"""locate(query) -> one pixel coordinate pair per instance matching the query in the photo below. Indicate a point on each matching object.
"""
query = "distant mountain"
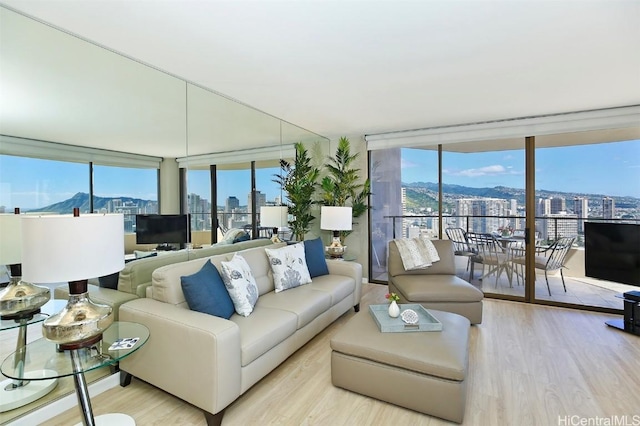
(81, 200)
(506, 193)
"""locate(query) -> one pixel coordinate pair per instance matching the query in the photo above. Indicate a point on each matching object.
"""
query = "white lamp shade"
(274, 216)
(61, 248)
(335, 218)
(10, 239)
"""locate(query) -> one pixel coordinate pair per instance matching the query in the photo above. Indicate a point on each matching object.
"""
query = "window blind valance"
(234, 157)
(611, 118)
(10, 145)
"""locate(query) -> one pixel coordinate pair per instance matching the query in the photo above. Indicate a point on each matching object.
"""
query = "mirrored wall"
(127, 138)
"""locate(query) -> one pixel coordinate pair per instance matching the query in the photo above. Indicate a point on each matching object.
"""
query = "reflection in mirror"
(226, 141)
(70, 105)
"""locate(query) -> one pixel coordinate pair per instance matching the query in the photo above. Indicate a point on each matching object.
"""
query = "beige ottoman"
(423, 371)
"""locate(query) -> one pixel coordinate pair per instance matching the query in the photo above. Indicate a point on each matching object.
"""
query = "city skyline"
(33, 183)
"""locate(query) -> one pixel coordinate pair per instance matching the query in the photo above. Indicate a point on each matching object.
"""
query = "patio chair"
(549, 259)
(491, 254)
(461, 246)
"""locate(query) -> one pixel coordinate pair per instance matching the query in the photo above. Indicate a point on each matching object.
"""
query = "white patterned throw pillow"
(289, 266)
(417, 253)
(240, 284)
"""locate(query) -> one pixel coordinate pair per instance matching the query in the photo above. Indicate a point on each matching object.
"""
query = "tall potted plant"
(299, 182)
(341, 186)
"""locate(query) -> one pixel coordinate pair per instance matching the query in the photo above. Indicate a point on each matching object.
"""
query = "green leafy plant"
(299, 182)
(341, 186)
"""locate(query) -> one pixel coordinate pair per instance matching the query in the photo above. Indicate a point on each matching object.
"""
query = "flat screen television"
(612, 252)
(162, 229)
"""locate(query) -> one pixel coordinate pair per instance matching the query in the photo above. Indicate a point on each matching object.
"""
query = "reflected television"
(162, 229)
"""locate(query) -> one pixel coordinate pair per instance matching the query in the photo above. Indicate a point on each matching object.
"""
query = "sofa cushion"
(289, 267)
(264, 329)
(304, 301)
(205, 292)
(339, 287)
(441, 288)
(314, 254)
(240, 284)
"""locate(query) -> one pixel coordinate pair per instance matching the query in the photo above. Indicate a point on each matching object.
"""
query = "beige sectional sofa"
(210, 361)
(436, 287)
(135, 278)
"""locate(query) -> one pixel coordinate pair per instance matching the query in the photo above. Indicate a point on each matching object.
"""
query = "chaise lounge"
(436, 287)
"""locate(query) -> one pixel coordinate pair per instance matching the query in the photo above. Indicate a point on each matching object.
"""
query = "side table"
(15, 393)
(45, 356)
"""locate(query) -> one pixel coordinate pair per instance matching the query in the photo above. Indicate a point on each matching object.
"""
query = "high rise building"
(608, 208)
(261, 200)
(555, 226)
(558, 205)
(581, 210)
(478, 207)
(544, 207)
(231, 204)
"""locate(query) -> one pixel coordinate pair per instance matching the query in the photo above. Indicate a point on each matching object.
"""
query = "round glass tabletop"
(46, 310)
(45, 361)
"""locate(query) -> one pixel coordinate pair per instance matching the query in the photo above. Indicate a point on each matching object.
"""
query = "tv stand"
(631, 321)
(165, 247)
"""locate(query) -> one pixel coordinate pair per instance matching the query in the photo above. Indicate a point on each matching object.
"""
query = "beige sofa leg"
(213, 419)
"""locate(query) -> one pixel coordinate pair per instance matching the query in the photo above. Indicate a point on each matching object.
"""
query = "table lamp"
(274, 217)
(20, 301)
(335, 219)
(73, 248)
(18, 298)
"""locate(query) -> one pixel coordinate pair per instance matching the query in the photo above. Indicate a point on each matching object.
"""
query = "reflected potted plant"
(341, 186)
(299, 182)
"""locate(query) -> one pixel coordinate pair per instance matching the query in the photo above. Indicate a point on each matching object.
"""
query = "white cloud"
(493, 170)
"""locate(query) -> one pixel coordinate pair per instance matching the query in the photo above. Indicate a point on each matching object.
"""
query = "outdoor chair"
(461, 246)
(548, 259)
(491, 254)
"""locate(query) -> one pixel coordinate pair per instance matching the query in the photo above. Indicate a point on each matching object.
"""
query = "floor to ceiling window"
(33, 184)
(559, 184)
(483, 189)
(579, 181)
(114, 192)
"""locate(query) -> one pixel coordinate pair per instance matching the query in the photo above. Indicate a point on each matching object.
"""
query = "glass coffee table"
(48, 362)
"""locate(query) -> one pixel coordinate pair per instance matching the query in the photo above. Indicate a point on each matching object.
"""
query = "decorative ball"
(409, 316)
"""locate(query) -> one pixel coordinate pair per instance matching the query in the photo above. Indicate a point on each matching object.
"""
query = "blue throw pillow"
(240, 238)
(205, 292)
(314, 254)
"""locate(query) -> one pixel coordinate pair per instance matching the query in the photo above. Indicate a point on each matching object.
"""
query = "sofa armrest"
(191, 355)
(349, 269)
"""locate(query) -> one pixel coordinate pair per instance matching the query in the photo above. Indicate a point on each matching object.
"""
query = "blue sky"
(610, 169)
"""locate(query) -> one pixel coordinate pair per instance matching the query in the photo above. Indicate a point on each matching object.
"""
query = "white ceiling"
(360, 67)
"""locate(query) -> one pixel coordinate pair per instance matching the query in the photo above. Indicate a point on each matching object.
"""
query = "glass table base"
(112, 419)
(23, 395)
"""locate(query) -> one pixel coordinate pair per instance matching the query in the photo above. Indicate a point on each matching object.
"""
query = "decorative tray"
(387, 324)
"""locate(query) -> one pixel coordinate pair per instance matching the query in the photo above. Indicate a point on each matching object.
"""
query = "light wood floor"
(528, 365)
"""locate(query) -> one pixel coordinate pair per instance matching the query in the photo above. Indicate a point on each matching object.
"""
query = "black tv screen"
(162, 228)
(612, 252)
